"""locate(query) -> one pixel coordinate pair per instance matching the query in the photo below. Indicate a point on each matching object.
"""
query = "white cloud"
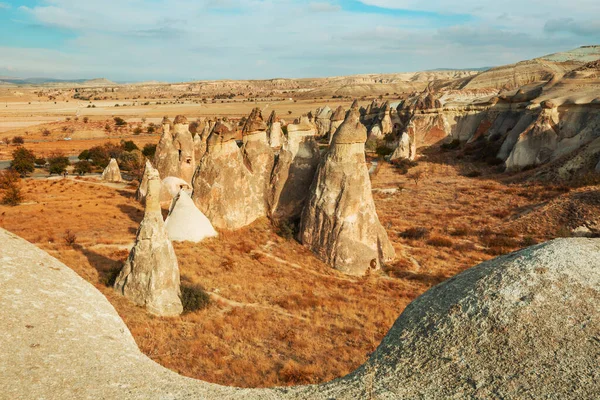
(206, 39)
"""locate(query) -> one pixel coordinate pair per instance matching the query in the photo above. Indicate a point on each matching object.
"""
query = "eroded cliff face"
(530, 127)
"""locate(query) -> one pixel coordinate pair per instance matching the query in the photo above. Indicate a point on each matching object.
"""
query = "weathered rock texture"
(185, 223)
(337, 117)
(142, 190)
(519, 326)
(339, 222)
(150, 276)
(323, 121)
(222, 182)
(183, 142)
(112, 173)
(274, 131)
(166, 157)
(294, 171)
(259, 159)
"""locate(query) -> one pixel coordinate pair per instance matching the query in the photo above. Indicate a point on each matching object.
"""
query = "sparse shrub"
(151, 128)
(383, 151)
(528, 241)
(415, 233)
(119, 121)
(10, 184)
(149, 150)
(403, 165)
(287, 229)
(194, 298)
(462, 230)
(41, 161)
(86, 120)
(45, 132)
(69, 237)
(58, 163)
(18, 140)
(128, 145)
(107, 128)
(415, 176)
(440, 241)
(137, 131)
(472, 174)
(23, 161)
(453, 145)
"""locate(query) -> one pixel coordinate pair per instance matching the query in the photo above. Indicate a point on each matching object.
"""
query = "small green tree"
(149, 150)
(23, 161)
(18, 140)
(83, 167)
(128, 145)
(58, 163)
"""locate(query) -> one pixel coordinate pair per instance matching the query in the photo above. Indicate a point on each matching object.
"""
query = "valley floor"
(278, 315)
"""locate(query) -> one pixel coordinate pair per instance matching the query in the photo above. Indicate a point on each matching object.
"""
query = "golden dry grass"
(279, 316)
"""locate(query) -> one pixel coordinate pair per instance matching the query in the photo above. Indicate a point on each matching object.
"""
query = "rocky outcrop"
(294, 171)
(259, 159)
(185, 223)
(339, 222)
(222, 182)
(337, 118)
(521, 325)
(274, 131)
(150, 276)
(183, 142)
(537, 143)
(166, 157)
(112, 173)
(142, 190)
(323, 121)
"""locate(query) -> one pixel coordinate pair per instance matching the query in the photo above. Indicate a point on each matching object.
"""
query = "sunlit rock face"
(112, 173)
(259, 159)
(222, 182)
(166, 157)
(339, 222)
(183, 142)
(294, 171)
(150, 276)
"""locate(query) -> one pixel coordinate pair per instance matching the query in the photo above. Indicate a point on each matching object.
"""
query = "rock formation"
(536, 143)
(323, 121)
(142, 190)
(274, 131)
(183, 142)
(339, 222)
(337, 118)
(222, 182)
(112, 173)
(521, 325)
(294, 171)
(166, 157)
(150, 277)
(259, 159)
(185, 223)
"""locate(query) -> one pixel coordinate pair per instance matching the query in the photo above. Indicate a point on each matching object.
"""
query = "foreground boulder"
(294, 171)
(339, 222)
(112, 173)
(523, 325)
(150, 277)
(185, 223)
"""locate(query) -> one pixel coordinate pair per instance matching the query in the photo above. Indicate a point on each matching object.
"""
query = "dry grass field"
(279, 316)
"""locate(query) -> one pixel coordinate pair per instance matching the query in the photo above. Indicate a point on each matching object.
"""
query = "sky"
(183, 40)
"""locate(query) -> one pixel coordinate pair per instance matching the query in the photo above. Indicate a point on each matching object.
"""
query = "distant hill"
(54, 81)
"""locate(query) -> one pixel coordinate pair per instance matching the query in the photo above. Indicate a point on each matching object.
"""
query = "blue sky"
(180, 40)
